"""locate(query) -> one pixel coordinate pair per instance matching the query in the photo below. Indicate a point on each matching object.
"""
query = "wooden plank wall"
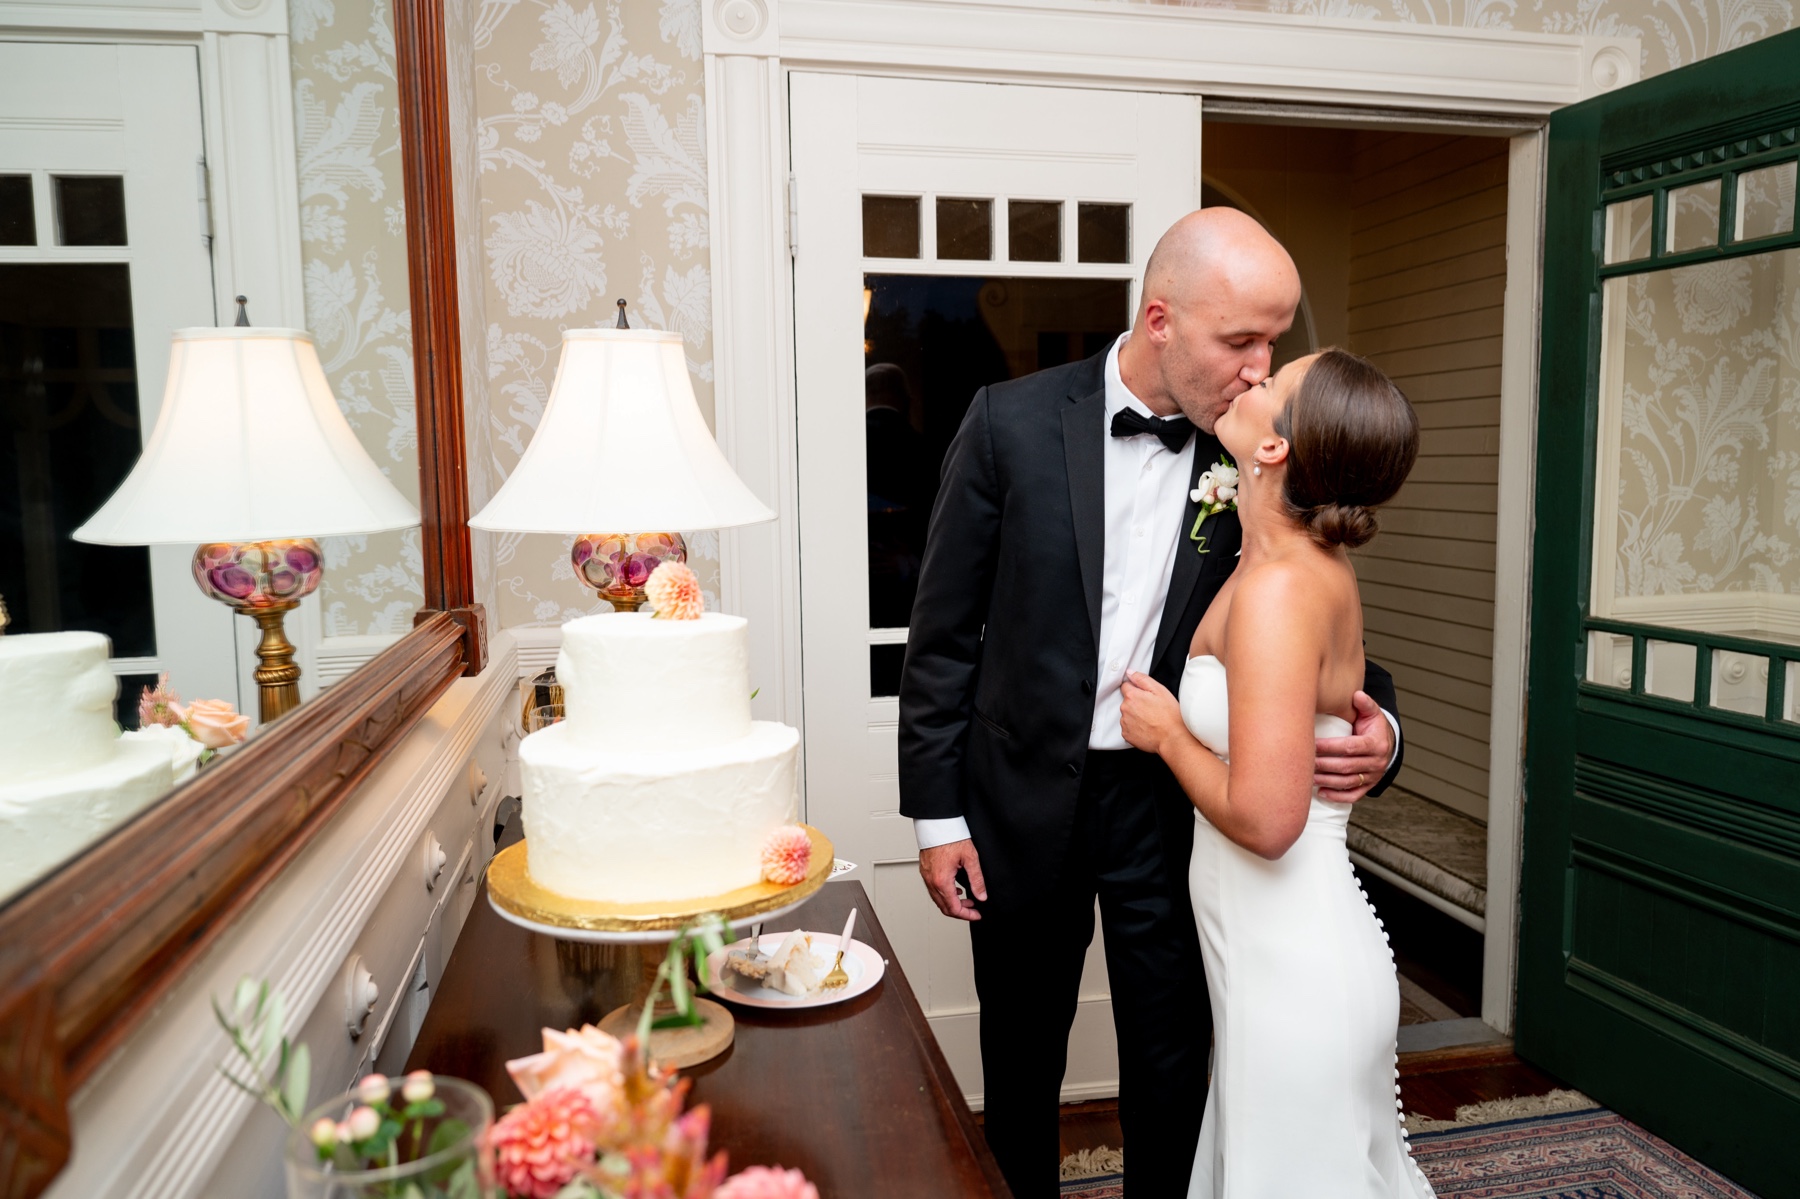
(1427, 282)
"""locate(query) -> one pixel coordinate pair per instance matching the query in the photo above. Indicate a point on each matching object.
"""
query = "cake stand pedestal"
(516, 898)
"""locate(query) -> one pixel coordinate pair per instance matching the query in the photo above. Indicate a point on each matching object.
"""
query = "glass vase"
(448, 1152)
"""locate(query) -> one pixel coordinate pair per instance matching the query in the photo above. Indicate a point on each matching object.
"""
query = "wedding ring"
(1362, 780)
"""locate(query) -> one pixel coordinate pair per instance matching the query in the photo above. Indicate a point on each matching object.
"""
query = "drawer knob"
(435, 857)
(363, 993)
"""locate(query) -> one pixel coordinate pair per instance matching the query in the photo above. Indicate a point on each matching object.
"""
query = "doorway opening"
(1400, 238)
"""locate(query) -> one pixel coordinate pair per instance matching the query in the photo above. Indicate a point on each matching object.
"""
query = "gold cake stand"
(518, 899)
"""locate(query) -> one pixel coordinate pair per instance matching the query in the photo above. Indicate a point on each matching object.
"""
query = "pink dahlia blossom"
(767, 1182)
(786, 855)
(674, 591)
(539, 1146)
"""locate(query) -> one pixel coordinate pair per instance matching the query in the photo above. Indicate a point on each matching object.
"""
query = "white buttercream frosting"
(56, 697)
(638, 826)
(632, 682)
(46, 821)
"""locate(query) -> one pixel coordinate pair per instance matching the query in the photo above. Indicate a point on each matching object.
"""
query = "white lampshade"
(621, 448)
(249, 446)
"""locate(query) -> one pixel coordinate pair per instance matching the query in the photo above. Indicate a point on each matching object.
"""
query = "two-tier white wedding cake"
(657, 785)
(66, 776)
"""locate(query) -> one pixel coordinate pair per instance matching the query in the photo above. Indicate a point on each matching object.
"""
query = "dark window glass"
(69, 434)
(965, 229)
(884, 669)
(890, 226)
(125, 707)
(1034, 231)
(90, 210)
(18, 215)
(932, 342)
(1103, 232)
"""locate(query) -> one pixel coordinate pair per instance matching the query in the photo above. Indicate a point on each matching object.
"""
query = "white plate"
(861, 963)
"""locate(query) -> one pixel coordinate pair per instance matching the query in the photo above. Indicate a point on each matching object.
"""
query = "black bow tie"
(1172, 431)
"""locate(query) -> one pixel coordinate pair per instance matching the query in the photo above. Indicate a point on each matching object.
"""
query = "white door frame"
(253, 204)
(1440, 74)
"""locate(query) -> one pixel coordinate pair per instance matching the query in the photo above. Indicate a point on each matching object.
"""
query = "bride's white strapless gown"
(1305, 1090)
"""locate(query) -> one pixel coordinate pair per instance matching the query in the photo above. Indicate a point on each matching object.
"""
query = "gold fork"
(837, 978)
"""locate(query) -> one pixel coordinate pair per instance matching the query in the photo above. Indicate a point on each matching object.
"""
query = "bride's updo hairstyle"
(1352, 439)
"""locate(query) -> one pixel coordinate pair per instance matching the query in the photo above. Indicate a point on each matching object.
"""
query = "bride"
(1304, 996)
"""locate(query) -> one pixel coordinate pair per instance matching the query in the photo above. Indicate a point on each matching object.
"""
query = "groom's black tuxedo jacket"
(997, 694)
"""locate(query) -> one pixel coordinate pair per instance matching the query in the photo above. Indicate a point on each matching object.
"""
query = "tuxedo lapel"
(1084, 445)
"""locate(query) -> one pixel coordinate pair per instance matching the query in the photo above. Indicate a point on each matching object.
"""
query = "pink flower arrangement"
(674, 591)
(597, 1113)
(764, 1182)
(540, 1146)
(160, 705)
(786, 855)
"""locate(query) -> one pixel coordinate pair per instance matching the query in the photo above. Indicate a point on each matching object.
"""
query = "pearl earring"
(1256, 470)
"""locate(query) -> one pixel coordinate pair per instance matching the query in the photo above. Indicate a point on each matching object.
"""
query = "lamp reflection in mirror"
(621, 445)
(252, 458)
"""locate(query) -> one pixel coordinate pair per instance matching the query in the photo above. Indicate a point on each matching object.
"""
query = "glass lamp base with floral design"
(265, 580)
(616, 565)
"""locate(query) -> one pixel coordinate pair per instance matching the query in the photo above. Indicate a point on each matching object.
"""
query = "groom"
(1063, 553)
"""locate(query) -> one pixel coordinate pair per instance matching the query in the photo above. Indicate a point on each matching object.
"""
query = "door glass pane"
(1740, 682)
(1693, 217)
(90, 210)
(18, 215)
(1669, 670)
(1765, 202)
(965, 229)
(1628, 229)
(884, 669)
(1697, 521)
(1103, 232)
(890, 226)
(1034, 231)
(931, 342)
(69, 402)
(1609, 659)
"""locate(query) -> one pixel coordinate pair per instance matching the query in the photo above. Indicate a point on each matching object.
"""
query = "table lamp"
(251, 457)
(621, 446)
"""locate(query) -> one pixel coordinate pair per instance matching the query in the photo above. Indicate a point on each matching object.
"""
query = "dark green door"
(1660, 941)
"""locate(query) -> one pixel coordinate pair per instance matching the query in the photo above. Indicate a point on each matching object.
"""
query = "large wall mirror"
(150, 784)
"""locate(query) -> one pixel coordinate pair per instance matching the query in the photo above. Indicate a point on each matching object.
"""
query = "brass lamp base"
(277, 679)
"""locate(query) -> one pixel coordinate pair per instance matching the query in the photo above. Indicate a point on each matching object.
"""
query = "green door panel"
(1659, 952)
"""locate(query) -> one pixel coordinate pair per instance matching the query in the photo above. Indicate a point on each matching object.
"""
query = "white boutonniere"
(1217, 492)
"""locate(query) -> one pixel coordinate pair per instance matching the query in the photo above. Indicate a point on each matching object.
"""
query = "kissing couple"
(1134, 674)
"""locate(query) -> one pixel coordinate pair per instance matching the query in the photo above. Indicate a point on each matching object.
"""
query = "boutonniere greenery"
(1217, 492)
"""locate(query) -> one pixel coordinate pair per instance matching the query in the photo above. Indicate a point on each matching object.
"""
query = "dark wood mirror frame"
(86, 954)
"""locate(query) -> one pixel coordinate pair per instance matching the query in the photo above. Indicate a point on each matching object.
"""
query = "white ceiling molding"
(1263, 56)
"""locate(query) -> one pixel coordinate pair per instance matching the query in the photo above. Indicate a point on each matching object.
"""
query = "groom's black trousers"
(1028, 972)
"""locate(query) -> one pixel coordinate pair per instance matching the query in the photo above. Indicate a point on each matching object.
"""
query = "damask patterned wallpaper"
(354, 247)
(589, 136)
(593, 189)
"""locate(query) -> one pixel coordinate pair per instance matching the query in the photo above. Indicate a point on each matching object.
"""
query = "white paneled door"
(104, 250)
(945, 236)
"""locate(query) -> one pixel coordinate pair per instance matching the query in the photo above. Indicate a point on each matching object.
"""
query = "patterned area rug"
(1590, 1154)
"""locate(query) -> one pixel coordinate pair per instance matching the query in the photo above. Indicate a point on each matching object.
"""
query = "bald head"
(1218, 292)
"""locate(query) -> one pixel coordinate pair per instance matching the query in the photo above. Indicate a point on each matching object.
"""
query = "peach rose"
(214, 723)
(590, 1060)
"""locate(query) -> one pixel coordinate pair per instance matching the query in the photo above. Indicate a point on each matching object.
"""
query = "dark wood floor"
(1431, 1084)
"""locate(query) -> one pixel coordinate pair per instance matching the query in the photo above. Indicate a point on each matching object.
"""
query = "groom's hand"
(938, 866)
(1346, 767)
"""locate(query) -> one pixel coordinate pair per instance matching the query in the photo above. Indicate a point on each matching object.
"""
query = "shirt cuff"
(1394, 723)
(932, 833)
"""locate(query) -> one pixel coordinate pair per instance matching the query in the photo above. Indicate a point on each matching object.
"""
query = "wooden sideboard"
(857, 1094)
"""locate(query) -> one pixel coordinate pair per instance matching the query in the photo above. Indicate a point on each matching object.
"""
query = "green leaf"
(247, 994)
(274, 1016)
(295, 1082)
(678, 984)
(687, 1019)
(412, 1192)
(446, 1134)
(425, 1107)
(462, 1183)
